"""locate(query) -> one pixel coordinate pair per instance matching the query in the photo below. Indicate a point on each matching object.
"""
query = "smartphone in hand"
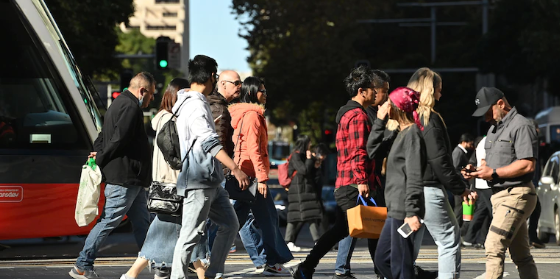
(405, 229)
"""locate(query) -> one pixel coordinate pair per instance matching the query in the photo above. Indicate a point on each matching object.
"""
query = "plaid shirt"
(353, 164)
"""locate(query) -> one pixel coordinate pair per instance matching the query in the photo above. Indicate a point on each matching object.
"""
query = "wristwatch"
(495, 175)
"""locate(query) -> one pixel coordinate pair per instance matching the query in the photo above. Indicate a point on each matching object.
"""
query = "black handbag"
(235, 193)
(163, 198)
(232, 185)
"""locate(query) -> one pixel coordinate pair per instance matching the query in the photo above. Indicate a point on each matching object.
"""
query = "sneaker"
(424, 274)
(478, 246)
(276, 269)
(348, 275)
(538, 245)
(303, 273)
(233, 249)
(293, 247)
(82, 274)
(467, 244)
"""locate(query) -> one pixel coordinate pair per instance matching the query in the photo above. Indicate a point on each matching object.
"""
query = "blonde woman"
(438, 176)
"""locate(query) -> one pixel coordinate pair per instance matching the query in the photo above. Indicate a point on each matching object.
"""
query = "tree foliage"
(89, 30)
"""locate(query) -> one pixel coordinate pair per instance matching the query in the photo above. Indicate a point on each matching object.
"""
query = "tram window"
(36, 111)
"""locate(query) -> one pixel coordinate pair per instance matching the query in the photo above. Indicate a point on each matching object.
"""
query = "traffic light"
(162, 53)
(114, 95)
(126, 76)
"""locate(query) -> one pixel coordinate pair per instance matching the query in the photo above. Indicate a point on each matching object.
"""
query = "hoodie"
(353, 164)
(250, 139)
(197, 133)
(161, 171)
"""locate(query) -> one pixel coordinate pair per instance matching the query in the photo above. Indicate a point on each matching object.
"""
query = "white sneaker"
(277, 269)
(293, 247)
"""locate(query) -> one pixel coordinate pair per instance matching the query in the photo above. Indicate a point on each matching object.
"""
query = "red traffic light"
(328, 132)
(115, 94)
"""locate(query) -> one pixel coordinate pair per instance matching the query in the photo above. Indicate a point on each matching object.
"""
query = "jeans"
(346, 197)
(198, 205)
(442, 224)
(344, 255)
(268, 246)
(394, 255)
(161, 240)
(119, 200)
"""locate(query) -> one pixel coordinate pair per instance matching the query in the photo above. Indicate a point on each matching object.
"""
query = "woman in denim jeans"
(251, 155)
(157, 251)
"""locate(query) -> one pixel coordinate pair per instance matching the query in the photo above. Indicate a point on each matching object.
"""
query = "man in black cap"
(511, 153)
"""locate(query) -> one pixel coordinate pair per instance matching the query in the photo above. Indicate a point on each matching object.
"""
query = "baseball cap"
(485, 98)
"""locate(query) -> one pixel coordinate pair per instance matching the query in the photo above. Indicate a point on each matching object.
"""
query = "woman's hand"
(383, 110)
(92, 155)
(413, 222)
(308, 154)
(262, 188)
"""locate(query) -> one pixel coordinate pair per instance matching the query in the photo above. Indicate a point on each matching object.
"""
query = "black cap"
(485, 98)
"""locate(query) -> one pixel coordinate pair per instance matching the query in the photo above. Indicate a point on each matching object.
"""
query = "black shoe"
(478, 246)
(424, 274)
(303, 273)
(348, 275)
(538, 244)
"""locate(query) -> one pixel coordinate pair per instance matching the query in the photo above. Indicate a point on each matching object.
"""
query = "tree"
(88, 27)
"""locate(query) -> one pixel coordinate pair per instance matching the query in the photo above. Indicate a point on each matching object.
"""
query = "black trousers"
(346, 197)
(394, 257)
(533, 222)
(479, 225)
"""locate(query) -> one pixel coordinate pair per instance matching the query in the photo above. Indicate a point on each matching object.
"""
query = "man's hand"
(262, 189)
(383, 110)
(92, 155)
(467, 171)
(483, 172)
(364, 190)
(241, 178)
(413, 222)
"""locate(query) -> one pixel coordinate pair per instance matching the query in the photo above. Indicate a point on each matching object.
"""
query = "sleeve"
(217, 111)
(357, 133)
(440, 160)
(253, 126)
(526, 143)
(378, 146)
(457, 159)
(414, 158)
(202, 130)
(123, 133)
(98, 143)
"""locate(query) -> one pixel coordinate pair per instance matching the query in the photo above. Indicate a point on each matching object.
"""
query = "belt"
(499, 189)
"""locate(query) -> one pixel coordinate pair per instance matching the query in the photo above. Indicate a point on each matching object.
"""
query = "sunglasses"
(236, 83)
(262, 91)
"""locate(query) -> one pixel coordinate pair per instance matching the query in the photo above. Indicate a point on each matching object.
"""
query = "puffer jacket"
(250, 138)
(219, 107)
(161, 171)
(304, 203)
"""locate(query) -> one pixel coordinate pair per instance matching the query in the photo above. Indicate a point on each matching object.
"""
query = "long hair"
(170, 96)
(425, 81)
(401, 116)
(250, 89)
(302, 143)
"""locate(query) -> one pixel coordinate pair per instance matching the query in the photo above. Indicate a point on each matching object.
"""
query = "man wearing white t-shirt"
(483, 207)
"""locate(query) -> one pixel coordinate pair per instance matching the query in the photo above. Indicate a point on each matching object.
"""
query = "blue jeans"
(119, 200)
(441, 223)
(198, 205)
(162, 238)
(268, 246)
(344, 255)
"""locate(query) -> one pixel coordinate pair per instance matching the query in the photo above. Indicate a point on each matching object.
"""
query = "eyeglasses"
(262, 91)
(216, 76)
(236, 83)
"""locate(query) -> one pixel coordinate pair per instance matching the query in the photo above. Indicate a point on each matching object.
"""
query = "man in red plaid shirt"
(354, 166)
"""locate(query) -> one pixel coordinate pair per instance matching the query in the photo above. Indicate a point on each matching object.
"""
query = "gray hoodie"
(195, 126)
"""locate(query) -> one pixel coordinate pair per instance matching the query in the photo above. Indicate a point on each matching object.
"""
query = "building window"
(169, 14)
(161, 27)
(167, 1)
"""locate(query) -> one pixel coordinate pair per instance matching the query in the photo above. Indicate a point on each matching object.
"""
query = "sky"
(214, 32)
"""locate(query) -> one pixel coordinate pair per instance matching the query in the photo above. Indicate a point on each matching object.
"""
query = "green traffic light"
(163, 63)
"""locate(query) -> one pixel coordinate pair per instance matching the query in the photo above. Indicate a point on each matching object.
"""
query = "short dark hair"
(201, 68)
(379, 78)
(302, 143)
(170, 95)
(466, 137)
(249, 90)
(361, 77)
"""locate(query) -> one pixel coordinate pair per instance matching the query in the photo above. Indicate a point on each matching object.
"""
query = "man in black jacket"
(123, 153)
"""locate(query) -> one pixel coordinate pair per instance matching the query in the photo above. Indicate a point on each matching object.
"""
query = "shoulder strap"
(179, 108)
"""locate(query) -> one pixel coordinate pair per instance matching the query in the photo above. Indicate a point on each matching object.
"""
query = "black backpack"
(168, 142)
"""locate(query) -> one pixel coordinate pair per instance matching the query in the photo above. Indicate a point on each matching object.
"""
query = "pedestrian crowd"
(392, 147)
